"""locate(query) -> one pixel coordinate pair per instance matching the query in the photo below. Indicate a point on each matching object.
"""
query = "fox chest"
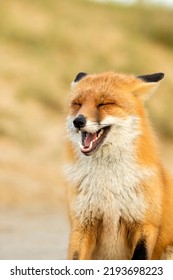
(104, 197)
(105, 194)
(109, 193)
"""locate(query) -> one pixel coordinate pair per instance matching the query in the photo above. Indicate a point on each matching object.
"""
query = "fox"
(120, 195)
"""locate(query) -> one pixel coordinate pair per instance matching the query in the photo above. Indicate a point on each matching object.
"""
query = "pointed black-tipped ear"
(153, 78)
(80, 76)
(145, 85)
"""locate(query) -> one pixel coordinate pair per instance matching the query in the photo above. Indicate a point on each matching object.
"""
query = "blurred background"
(43, 45)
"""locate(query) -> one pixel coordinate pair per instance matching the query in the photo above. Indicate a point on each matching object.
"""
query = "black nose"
(79, 121)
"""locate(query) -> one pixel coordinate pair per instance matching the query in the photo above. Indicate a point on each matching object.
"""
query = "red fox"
(120, 196)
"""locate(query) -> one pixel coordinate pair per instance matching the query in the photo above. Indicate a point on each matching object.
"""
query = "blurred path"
(29, 234)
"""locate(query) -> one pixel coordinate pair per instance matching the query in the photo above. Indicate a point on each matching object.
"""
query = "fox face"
(107, 109)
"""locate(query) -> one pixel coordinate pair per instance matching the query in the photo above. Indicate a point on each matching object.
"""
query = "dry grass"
(43, 44)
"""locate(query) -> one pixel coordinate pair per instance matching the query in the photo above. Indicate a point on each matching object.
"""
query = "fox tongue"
(89, 138)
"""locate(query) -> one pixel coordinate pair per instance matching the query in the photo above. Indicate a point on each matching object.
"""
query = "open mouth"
(92, 141)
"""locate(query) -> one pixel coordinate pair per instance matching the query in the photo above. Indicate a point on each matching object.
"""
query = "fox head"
(106, 109)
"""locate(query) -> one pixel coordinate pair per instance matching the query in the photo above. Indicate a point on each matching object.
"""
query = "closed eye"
(76, 104)
(105, 104)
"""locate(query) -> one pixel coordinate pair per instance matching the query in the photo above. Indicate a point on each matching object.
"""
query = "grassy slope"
(43, 44)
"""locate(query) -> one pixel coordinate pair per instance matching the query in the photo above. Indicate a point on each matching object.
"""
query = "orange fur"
(118, 96)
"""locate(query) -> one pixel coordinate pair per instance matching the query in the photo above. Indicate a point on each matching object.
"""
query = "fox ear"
(80, 76)
(153, 78)
(147, 84)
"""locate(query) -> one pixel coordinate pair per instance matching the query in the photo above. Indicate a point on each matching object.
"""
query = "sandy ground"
(33, 234)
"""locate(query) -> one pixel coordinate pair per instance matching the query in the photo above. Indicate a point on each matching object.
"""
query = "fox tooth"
(90, 146)
(100, 133)
(81, 146)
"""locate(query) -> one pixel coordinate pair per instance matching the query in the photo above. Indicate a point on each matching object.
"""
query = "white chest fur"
(109, 185)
